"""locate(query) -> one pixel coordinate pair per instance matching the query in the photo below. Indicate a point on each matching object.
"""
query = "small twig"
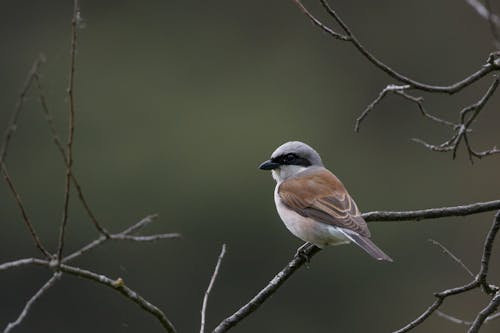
(11, 128)
(32, 300)
(494, 23)
(71, 127)
(122, 236)
(483, 11)
(420, 105)
(478, 281)
(452, 256)
(463, 128)
(267, 291)
(57, 141)
(371, 106)
(119, 285)
(23, 262)
(210, 286)
(24, 214)
(453, 319)
(318, 23)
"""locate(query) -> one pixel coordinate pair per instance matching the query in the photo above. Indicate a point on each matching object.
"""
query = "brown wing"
(320, 195)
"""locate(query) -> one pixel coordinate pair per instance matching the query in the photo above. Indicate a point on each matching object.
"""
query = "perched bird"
(313, 203)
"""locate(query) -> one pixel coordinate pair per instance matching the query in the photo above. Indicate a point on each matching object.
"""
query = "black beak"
(269, 165)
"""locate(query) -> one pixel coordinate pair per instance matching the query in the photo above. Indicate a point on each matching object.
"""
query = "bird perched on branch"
(313, 203)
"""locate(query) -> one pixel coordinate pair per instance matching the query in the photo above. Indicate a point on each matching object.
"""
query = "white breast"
(307, 229)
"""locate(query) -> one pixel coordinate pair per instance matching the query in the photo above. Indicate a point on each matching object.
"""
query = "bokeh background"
(177, 104)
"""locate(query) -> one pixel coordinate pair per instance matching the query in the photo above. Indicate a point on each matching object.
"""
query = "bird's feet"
(302, 253)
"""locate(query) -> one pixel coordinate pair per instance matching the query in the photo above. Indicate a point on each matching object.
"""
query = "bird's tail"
(366, 244)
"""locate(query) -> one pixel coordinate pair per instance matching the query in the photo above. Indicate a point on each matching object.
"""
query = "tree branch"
(57, 141)
(24, 214)
(71, 127)
(268, 290)
(432, 213)
(32, 300)
(483, 315)
(349, 37)
(119, 286)
(478, 281)
(209, 288)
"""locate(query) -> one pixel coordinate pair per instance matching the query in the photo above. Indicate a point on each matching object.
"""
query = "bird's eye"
(289, 158)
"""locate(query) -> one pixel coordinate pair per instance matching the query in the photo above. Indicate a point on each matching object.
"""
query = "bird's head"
(291, 158)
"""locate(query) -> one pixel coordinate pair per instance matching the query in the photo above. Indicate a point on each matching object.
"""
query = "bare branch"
(122, 236)
(318, 23)
(23, 262)
(57, 141)
(483, 315)
(420, 105)
(9, 131)
(71, 126)
(349, 37)
(453, 319)
(493, 22)
(452, 256)
(483, 11)
(267, 291)
(210, 286)
(485, 259)
(26, 219)
(151, 238)
(119, 285)
(432, 213)
(369, 108)
(299, 260)
(478, 281)
(430, 310)
(32, 300)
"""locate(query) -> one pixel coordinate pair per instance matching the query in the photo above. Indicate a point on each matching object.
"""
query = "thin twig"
(478, 281)
(453, 319)
(483, 11)
(57, 141)
(11, 128)
(119, 285)
(210, 286)
(452, 256)
(371, 106)
(23, 262)
(24, 214)
(71, 127)
(349, 37)
(121, 236)
(493, 22)
(318, 23)
(32, 300)
(420, 105)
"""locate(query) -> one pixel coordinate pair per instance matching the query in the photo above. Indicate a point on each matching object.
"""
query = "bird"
(313, 203)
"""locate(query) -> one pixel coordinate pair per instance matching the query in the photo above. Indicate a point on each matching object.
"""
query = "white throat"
(286, 171)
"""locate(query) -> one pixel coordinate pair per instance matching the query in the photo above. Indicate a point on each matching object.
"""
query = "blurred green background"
(177, 104)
